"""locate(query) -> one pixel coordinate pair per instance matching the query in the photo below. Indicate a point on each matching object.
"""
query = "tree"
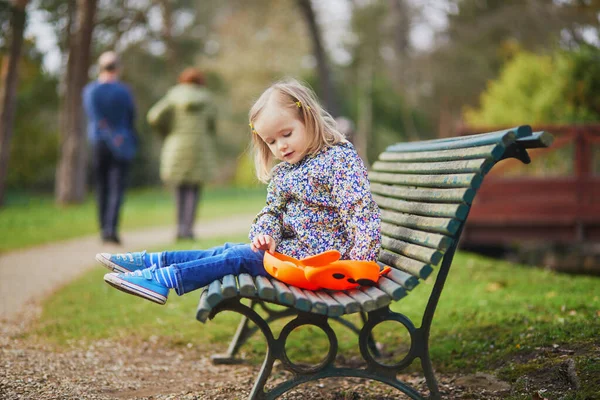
(9, 78)
(539, 89)
(328, 91)
(70, 172)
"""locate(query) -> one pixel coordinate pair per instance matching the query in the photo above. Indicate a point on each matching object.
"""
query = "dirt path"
(28, 275)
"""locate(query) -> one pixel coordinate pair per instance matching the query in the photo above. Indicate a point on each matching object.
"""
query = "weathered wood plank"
(491, 151)
(445, 226)
(481, 165)
(204, 308)
(246, 285)
(265, 288)
(393, 289)
(413, 267)
(302, 302)
(406, 280)
(505, 137)
(229, 286)
(318, 305)
(350, 305)
(215, 296)
(283, 293)
(457, 211)
(425, 254)
(425, 194)
(470, 180)
(334, 309)
(366, 303)
(381, 298)
(431, 240)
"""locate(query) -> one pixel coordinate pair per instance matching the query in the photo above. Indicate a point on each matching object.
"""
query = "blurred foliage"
(537, 89)
(391, 90)
(33, 153)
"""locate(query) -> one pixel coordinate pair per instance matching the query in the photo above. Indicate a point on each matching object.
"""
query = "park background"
(401, 70)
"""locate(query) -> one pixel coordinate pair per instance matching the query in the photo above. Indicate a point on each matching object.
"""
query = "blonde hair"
(317, 121)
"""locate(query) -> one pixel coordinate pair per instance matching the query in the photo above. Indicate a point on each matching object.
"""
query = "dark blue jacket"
(110, 110)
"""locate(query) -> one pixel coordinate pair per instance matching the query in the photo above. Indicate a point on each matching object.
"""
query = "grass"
(28, 220)
(493, 316)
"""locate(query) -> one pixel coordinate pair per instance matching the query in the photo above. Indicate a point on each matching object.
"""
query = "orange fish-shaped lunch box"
(323, 271)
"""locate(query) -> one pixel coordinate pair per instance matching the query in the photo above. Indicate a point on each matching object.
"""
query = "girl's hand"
(263, 242)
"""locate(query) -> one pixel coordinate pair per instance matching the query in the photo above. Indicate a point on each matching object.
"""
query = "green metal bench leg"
(371, 342)
(245, 332)
(242, 334)
(432, 383)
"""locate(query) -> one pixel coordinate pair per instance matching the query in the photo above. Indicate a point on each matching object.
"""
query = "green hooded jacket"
(185, 118)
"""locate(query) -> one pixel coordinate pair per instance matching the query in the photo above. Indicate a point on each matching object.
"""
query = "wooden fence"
(508, 207)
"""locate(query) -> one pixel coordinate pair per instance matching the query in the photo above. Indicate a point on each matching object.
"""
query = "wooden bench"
(425, 190)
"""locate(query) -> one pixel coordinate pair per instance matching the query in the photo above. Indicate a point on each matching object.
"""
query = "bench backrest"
(425, 191)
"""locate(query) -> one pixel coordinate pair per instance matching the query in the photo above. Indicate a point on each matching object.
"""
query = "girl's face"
(280, 128)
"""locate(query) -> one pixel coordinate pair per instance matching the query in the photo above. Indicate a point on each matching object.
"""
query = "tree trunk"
(71, 169)
(167, 32)
(402, 22)
(364, 125)
(9, 77)
(325, 78)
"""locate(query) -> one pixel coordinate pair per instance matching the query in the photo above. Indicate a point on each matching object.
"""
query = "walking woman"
(185, 118)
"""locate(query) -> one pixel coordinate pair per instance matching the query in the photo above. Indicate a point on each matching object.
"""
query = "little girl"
(318, 199)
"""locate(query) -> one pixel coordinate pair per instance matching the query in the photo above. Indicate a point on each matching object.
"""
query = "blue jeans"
(198, 268)
(111, 182)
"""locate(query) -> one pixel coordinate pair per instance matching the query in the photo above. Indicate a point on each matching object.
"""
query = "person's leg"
(129, 262)
(117, 184)
(154, 283)
(191, 203)
(100, 159)
(183, 256)
(179, 207)
(235, 260)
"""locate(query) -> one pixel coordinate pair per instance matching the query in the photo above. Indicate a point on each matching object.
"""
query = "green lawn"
(28, 220)
(493, 315)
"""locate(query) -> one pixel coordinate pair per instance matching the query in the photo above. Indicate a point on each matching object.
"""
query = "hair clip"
(252, 128)
(299, 105)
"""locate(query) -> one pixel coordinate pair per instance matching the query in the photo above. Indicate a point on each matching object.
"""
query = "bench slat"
(431, 240)
(215, 296)
(471, 180)
(283, 293)
(458, 211)
(301, 301)
(265, 288)
(246, 285)
(381, 298)
(439, 167)
(506, 137)
(366, 303)
(350, 305)
(204, 308)
(406, 280)
(427, 255)
(334, 309)
(229, 286)
(318, 305)
(492, 151)
(425, 194)
(393, 289)
(444, 226)
(406, 264)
